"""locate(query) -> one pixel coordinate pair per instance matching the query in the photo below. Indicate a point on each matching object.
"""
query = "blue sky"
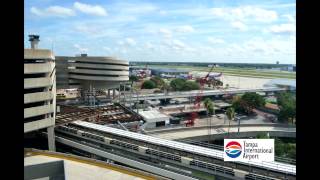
(242, 31)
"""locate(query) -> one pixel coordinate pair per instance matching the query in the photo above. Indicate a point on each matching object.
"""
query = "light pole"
(238, 125)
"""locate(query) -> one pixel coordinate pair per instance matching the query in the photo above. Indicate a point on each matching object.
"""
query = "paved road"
(196, 92)
(194, 132)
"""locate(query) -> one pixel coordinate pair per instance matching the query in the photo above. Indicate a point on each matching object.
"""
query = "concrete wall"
(39, 87)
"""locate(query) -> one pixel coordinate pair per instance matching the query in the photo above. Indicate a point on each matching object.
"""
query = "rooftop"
(76, 167)
(38, 54)
(153, 115)
(281, 82)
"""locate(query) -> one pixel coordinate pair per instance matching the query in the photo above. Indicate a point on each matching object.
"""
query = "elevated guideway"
(175, 153)
(135, 97)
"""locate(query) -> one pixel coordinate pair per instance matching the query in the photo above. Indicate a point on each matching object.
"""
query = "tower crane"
(197, 102)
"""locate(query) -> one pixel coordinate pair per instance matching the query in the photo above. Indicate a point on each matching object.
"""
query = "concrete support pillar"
(113, 93)
(51, 139)
(109, 93)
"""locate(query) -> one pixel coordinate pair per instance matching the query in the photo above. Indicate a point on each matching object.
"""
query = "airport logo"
(233, 149)
(244, 150)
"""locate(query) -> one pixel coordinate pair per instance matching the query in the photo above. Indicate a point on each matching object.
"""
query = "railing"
(291, 127)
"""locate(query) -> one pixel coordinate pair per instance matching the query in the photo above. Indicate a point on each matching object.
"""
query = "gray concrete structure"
(217, 92)
(217, 132)
(39, 90)
(85, 71)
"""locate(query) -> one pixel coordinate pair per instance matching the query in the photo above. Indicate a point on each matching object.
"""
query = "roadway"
(135, 97)
(222, 130)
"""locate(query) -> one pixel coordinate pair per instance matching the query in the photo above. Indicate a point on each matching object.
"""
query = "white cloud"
(176, 44)
(130, 41)
(140, 9)
(245, 13)
(80, 48)
(239, 25)
(283, 29)
(148, 45)
(127, 42)
(90, 9)
(185, 29)
(291, 18)
(163, 12)
(165, 32)
(57, 11)
(107, 49)
(214, 40)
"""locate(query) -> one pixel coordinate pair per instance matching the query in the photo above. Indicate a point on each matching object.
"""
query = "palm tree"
(209, 105)
(230, 114)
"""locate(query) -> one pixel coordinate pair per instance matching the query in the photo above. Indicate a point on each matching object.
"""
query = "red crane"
(197, 101)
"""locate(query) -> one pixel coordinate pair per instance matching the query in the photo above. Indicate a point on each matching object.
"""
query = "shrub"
(148, 84)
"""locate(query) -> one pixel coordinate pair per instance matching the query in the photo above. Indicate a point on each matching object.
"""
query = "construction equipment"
(194, 115)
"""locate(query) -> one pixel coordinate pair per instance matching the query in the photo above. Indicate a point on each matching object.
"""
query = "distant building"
(290, 68)
(142, 73)
(166, 72)
(39, 90)
(289, 84)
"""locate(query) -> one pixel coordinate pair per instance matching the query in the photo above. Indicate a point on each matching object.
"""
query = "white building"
(154, 118)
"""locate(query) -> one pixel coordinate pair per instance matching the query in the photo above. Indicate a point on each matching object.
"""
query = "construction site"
(96, 112)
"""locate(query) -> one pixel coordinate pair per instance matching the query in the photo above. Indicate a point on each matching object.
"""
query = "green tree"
(158, 81)
(247, 102)
(209, 105)
(177, 84)
(148, 84)
(287, 105)
(133, 78)
(230, 115)
(253, 100)
(237, 104)
(190, 85)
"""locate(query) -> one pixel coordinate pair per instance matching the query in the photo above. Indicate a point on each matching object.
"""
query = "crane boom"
(197, 101)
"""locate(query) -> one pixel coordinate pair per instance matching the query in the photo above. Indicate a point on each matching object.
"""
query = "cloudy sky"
(244, 31)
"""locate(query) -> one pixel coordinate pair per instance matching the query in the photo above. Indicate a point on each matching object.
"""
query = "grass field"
(244, 72)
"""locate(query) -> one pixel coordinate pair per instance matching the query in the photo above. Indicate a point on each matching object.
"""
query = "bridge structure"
(200, 133)
(165, 154)
(186, 94)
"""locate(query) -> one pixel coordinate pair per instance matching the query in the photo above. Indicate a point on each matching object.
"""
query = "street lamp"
(238, 119)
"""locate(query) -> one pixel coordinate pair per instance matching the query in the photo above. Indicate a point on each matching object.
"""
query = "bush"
(190, 85)
(177, 84)
(247, 102)
(148, 84)
(183, 85)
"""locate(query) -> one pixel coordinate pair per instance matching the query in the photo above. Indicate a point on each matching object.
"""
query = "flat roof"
(153, 115)
(281, 82)
(38, 54)
(169, 70)
(81, 168)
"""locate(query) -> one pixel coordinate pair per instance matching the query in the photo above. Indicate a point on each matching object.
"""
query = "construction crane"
(197, 102)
